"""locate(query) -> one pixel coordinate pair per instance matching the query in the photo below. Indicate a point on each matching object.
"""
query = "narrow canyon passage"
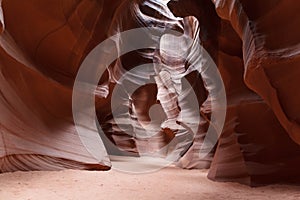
(206, 88)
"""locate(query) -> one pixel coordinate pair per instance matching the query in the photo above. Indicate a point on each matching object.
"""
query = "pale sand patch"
(169, 183)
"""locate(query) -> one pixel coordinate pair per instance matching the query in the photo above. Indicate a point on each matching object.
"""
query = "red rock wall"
(270, 53)
(41, 48)
(269, 45)
(257, 60)
(254, 43)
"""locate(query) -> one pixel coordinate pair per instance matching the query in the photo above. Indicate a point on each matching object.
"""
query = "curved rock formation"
(266, 50)
(258, 144)
(267, 132)
(156, 15)
(43, 44)
(38, 66)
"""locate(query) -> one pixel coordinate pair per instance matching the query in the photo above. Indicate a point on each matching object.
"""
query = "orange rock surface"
(254, 43)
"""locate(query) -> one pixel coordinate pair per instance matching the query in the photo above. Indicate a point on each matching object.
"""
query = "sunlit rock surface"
(254, 43)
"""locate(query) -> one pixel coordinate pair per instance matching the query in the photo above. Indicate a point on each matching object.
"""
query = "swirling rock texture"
(254, 43)
(267, 131)
(258, 144)
(153, 14)
(39, 58)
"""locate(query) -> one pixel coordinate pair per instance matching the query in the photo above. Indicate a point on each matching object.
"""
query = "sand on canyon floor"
(168, 183)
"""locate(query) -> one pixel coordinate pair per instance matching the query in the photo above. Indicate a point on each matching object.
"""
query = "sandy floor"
(169, 183)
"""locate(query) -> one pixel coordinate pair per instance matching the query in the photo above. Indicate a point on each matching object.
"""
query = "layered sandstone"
(254, 43)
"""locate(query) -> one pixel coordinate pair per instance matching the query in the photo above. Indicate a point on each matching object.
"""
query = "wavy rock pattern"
(43, 44)
(266, 52)
(37, 130)
(156, 15)
(256, 128)
(267, 129)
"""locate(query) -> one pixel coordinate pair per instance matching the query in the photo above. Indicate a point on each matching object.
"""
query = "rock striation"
(254, 43)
